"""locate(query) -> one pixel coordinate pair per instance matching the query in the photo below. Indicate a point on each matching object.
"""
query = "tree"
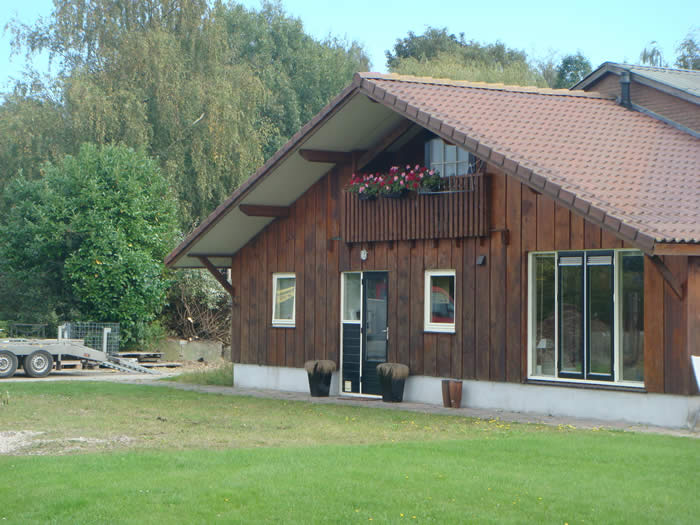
(652, 55)
(438, 53)
(688, 51)
(87, 240)
(209, 89)
(571, 70)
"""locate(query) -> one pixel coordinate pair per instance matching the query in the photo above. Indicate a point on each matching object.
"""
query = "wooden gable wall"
(491, 330)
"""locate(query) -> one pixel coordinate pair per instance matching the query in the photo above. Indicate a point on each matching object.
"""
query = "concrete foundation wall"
(635, 407)
(181, 350)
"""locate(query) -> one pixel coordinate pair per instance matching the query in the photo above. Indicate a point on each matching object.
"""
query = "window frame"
(283, 323)
(440, 167)
(617, 357)
(428, 325)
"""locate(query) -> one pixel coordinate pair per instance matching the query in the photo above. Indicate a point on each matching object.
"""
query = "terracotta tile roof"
(621, 168)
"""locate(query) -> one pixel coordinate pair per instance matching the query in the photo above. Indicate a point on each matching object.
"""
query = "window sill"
(282, 325)
(439, 330)
(597, 385)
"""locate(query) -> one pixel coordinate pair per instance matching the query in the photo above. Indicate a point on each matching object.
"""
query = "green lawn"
(232, 459)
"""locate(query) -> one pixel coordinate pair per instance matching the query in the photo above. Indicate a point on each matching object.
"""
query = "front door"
(365, 334)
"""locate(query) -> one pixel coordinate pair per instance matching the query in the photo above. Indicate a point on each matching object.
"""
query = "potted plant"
(320, 372)
(366, 187)
(392, 378)
(393, 184)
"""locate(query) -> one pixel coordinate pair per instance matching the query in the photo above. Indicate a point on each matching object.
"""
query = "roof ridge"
(482, 85)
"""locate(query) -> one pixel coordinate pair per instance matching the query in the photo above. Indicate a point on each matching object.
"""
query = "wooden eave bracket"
(217, 275)
(668, 276)
(262, 210)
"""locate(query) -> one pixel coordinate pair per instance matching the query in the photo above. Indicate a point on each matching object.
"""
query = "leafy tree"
(438, 53)
(571, 70)
(86, 241)
(688, 52)
(435, 42)
(445, 65)
(652, 55)
(210, 89)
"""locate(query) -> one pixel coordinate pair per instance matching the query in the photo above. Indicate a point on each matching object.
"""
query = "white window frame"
(441, 167)
(429, 326)
(284, 323)
(617, 357)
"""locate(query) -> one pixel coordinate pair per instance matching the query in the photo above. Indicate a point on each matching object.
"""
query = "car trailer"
(37, 356)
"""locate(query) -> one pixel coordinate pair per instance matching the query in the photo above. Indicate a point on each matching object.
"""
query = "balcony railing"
(458, 211)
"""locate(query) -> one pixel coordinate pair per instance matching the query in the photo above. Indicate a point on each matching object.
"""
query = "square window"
(440, 301)
(283, 299)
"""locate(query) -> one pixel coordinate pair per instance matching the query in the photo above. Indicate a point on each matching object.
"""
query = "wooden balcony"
(459, 211)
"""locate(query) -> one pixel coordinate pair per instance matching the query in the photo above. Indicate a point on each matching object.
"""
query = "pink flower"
(402, 183)
(396, 178)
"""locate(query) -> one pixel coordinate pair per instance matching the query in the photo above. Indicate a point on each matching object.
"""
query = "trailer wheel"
(38, 364)
(8, 363)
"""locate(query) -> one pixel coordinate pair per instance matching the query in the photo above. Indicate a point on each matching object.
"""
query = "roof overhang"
(351, 122)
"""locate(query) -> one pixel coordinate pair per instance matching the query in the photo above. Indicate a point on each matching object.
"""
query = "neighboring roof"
(677, 82)
(630, 173)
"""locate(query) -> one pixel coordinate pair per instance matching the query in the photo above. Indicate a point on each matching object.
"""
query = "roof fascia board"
(593, 76)
(665, 120)
(244, 189)
(533, 180)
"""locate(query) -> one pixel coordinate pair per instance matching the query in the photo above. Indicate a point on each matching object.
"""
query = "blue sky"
(603, 30)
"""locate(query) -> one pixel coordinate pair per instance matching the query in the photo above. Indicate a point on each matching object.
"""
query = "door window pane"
(571, 316)
(543, 344)
(600, 319)
(632, 316)
(352, 297)
(376, 318)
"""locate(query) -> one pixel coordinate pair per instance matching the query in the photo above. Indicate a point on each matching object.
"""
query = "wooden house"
(556, 270)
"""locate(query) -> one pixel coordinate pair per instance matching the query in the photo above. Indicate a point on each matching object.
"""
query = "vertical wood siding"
(491, 326)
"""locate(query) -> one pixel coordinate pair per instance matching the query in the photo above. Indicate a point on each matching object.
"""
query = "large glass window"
(440, 301)
(283, 298)
(580, 327)
(352, 296)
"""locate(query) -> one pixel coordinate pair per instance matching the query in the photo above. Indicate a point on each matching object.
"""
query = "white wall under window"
(440, 300)
(283, 299)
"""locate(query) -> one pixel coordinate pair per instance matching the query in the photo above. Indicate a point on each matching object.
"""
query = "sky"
(603, 30)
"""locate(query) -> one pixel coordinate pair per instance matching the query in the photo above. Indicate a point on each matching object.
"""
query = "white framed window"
(440, 300)
(448, 159)
(284, 287)
(586, 316)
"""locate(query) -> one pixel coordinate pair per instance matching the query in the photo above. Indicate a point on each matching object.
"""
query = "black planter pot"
(319, 383)
(392, 389)
(366, 197)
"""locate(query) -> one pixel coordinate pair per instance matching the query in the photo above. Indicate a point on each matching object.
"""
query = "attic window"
(448, 159)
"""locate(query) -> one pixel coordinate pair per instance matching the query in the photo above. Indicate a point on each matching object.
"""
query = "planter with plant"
(392, 378)
(320, 372)
(395, 183)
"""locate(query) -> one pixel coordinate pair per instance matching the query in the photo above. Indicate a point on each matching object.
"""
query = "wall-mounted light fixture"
(363, 255)
(481, 260)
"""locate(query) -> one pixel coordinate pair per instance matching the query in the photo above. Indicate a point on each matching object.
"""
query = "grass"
(219, 376)
(233, 459)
